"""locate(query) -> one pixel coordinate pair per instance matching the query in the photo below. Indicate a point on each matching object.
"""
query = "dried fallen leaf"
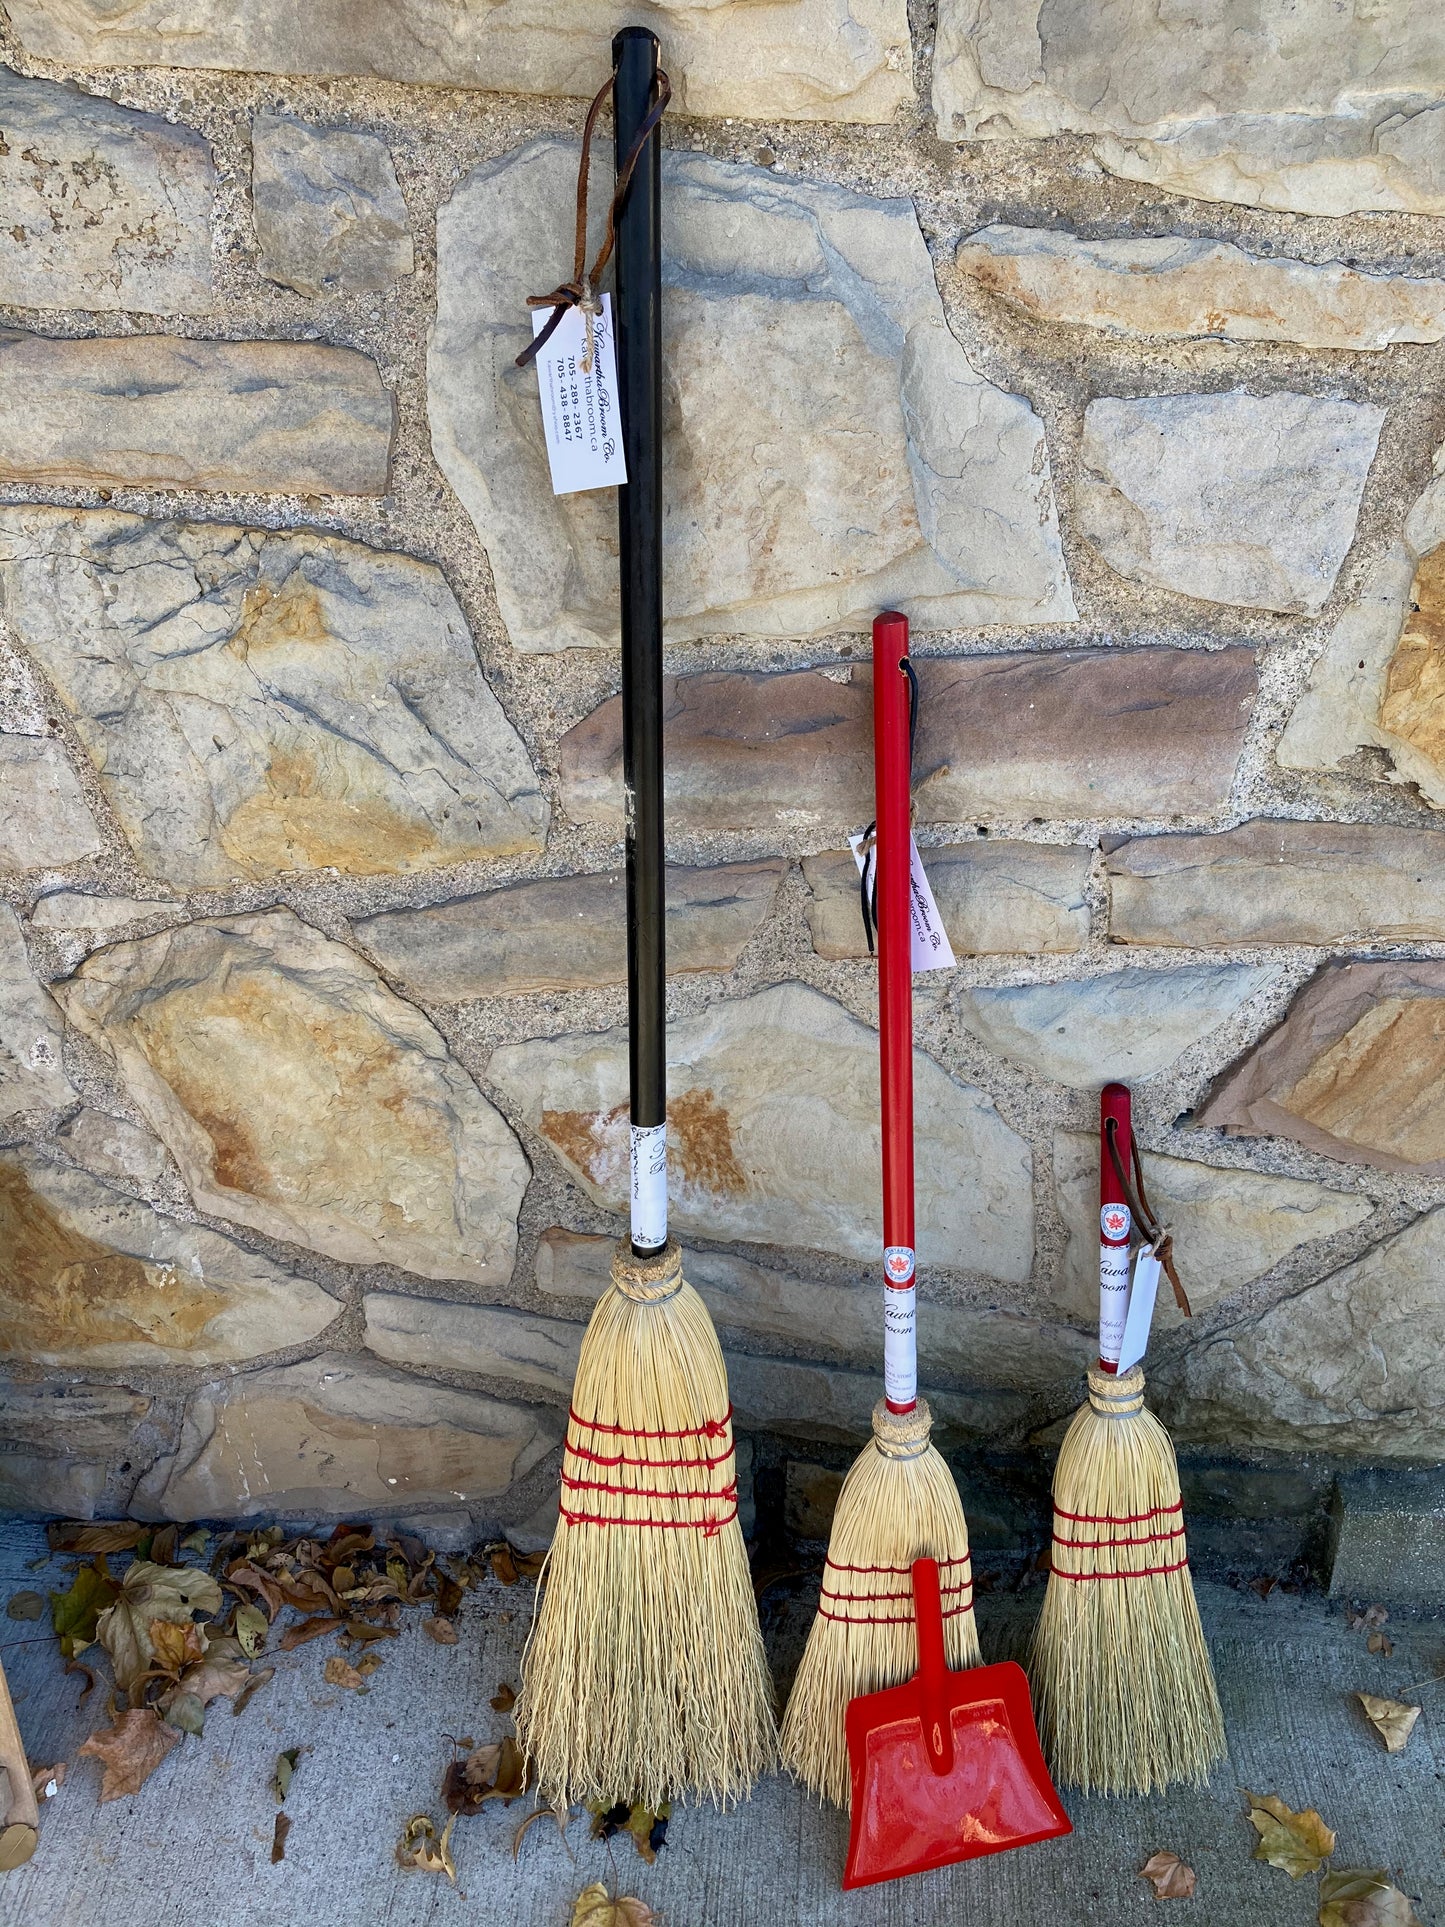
(1363, 1897)
(493, 1772)
(559, 1814)
(340, 1672)
(647, 1825)
(441, 1630)
(1392, 1720)
(422, 1850)
(595, 1907)
(171, 1594)
(252, 1627)
(94, 1535)
(278, 1838)
(174, 1646)
(1170, 1878)
(263, 1676)
(1297, 1843)
(186, 1712)
(308, 1630)
(1362, 1622)
(220, 1672)
(74, 1614)
(504, 1699)
(48, 1780)
(504, 1565)
(1380, 1643)
(130, 1750)
(25, 1605)
(285, 1772)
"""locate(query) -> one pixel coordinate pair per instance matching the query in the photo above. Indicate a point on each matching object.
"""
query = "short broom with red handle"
(899, 1501)
(1123, 1687)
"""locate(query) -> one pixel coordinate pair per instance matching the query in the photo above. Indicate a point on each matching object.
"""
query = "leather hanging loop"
(581, 290)
(1160, 1238)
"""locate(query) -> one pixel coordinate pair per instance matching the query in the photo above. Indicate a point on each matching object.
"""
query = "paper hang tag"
(579, 405)
(1139, 1318)
(930, 948)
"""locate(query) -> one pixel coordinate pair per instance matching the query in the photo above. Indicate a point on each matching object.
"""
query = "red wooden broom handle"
(892, 777)
(1114, 1222)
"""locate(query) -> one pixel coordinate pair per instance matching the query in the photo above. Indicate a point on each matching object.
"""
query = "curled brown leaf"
(129, 1750)
(1364, 1897)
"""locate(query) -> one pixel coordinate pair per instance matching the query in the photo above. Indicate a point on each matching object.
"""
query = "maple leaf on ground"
(595, 1907)
(1297, 1843)
(174, 1646)
(1167, 1874)
(1364, 1897)
(1393, 1720)
(171, 1594)
(130, 1750)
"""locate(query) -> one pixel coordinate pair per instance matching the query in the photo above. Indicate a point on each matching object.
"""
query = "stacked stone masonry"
(1105, 342)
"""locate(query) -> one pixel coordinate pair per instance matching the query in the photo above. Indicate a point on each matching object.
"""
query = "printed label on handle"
(929, 948)
(900, 1343)
(1113, 1299)
(579, 404)
(649, 1186)
(1140, 1315)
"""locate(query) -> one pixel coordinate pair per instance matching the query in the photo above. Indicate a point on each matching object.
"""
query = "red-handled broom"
(899, 1502)
(1121, 1673)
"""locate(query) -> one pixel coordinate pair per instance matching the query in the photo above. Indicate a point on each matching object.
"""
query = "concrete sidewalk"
(193, 1848)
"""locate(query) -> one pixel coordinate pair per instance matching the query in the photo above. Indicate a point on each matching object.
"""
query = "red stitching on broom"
(1110, 1519)
(600, 1458)
(1141, 1572)
(1095, 1545)
(886, 1619)
(837, 1565)
(713, 1428)
(646, 1491)
(889, 1598)
(709, 1528)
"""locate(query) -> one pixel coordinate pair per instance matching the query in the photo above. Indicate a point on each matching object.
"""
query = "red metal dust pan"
(946, 1767)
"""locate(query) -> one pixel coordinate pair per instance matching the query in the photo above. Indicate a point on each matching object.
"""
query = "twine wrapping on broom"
(645, 1675)
(899, 1503)
(1123, 1686)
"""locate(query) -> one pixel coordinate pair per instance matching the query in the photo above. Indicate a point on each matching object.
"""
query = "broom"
(1122, 1680)
(645, 1676)
(899, 1502)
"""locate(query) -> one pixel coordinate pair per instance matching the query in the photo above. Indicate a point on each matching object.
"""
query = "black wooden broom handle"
(639, 505)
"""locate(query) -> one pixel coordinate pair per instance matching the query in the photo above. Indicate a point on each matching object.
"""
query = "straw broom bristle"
(645, 1677)
(1123, 1687)
(898, 1503)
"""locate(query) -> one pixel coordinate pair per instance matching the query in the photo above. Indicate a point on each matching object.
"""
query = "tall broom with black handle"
(899, 1501)
(645, 1676)
(1123, 1685)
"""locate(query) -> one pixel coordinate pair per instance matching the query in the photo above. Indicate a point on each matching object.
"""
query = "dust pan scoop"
(946, 1767)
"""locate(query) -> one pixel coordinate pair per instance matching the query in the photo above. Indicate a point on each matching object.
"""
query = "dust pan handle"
(639, 512)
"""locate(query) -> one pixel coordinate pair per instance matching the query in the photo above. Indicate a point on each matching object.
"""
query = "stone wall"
(1103, 341)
